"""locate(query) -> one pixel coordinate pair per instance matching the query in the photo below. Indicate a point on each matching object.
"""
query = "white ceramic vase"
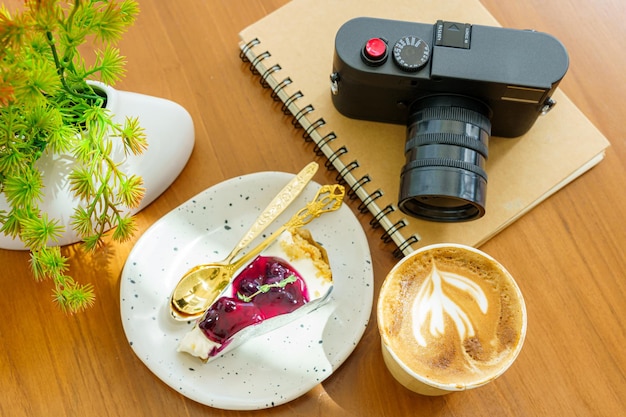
(170, 133)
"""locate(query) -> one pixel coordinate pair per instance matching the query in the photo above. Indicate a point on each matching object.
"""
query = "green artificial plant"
(49, 49)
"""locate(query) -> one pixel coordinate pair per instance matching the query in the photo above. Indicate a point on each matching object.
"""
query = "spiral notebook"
(291, 51)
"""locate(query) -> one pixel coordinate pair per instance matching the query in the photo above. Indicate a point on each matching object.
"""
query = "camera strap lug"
(547, 106)
(334, 83)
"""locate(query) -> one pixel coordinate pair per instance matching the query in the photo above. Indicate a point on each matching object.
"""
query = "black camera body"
(486, 80)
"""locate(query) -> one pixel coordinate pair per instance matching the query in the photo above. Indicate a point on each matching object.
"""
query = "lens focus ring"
(454, 139)
(452, 113)
(444, 162)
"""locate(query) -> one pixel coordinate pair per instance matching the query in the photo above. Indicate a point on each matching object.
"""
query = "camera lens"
(446, 148)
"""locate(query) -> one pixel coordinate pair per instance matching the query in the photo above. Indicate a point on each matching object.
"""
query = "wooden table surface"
(567, 254)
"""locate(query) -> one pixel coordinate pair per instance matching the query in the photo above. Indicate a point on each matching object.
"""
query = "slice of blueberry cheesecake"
(289, 279)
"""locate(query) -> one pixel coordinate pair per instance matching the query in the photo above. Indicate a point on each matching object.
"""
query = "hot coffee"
(451, 317)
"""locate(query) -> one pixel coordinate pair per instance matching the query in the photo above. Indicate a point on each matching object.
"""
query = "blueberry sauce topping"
(266, 288)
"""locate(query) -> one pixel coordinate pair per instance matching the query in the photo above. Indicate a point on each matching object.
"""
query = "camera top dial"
(411, 53)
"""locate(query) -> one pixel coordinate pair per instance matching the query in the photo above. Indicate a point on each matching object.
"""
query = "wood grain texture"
(567, 254)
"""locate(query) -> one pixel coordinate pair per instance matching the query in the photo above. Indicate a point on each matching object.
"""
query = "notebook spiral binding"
(322, 149)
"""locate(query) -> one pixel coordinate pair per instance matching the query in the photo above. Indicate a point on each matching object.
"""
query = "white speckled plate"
(271, 369)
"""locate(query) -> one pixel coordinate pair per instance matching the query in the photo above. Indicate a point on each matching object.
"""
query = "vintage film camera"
(453, 85)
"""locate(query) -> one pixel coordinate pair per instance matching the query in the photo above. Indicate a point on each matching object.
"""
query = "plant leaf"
(110, 65)
(48, 262)
(81, 183)
(23, 190)
(131, 191)
(73, 297)
(36, 232)
(125, 229)
(81, 221)
(133, 136)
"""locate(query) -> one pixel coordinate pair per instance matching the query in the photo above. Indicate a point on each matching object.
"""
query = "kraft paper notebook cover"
(292, 52)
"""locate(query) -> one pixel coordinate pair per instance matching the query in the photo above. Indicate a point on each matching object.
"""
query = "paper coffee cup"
(451, 318)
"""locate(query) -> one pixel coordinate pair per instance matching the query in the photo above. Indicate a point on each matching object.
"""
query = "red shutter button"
(374, 52)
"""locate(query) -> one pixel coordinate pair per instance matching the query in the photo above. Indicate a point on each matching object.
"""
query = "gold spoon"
(279, 203)
(201, 285)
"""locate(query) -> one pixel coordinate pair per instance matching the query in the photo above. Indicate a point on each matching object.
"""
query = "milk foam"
(433, 303)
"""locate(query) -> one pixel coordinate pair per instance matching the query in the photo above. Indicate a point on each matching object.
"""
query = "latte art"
(452, 315)
(433, 303)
